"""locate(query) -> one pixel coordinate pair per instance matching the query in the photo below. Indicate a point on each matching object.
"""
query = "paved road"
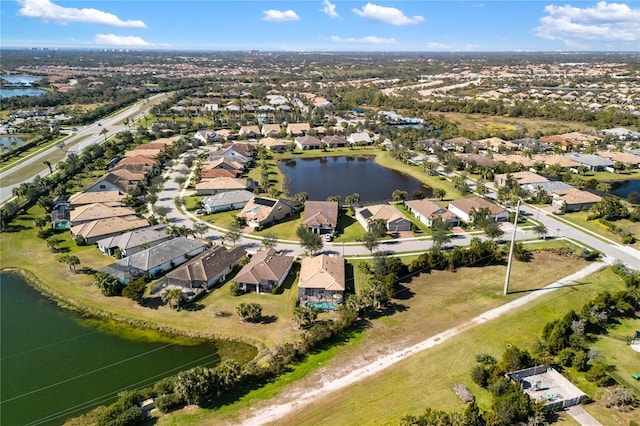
(87, 135)
(557, 229)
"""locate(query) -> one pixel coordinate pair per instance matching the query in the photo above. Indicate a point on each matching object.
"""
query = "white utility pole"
(513, 243)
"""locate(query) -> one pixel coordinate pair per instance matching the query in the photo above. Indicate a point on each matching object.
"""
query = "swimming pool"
(325, 306)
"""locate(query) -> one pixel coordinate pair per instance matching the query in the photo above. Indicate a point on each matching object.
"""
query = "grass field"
(427, 305)
(481, 123)
(580, 219)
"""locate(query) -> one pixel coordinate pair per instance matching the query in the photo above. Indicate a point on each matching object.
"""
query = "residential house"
(521, 178)
(263, 211)
(523, 160)
(621, 133)
(498, 145)
(96, 230)
(334, 141)
(593, 162)
(108, 182)
(218, 173)
(460, 144)
(308, 142)
(130, 175)
(134, 241)
(228, 200)
(393, 219)
(359, 138)
(466, 209)
(298, 129)
(217, 185)
(252, 131)
(572, 200)
(631, 161)
(265, 271)
(557, 161)
(112, 198)
(321, 216)
(138, 160)
(322, 280)
(97, 211)
(207, 136)
(271, 130)
(226, 163)
(470, 161)
(426, 211)
(155, 260)
(547, 187)
(205, 270)
(431, 145)
(273, 144)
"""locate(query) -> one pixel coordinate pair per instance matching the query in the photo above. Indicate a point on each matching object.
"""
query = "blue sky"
(335, 25)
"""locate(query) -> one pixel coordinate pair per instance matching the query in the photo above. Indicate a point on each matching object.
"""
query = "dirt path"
(353, 373)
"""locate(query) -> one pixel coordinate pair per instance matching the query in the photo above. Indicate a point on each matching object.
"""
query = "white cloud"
(48, 11)
(329, 9)
(364, 40)
(438, 46)
(280, 15)
(477, 5)
(115, 40)
(604, 22)
(389, 15)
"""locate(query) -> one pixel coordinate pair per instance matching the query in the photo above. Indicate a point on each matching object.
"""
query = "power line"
(48, 346)
(86, 374)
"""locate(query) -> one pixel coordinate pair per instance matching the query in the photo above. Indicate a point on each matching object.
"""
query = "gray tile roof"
(590, 160)
(228, 197)
(136, 238)
(153, 257)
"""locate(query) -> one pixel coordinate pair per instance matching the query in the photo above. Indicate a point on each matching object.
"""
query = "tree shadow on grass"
(151, 302)
(12, 227)
(403, 293)
(267, 319)
(192, 307)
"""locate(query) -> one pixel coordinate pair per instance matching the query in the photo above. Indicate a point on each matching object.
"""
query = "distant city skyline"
(283, 25)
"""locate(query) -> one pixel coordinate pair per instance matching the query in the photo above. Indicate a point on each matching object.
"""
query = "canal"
(56, 365)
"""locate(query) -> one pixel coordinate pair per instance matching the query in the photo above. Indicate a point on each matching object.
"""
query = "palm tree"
(48, 164)
(39, 222)
(269, 241)
(233, 234)
(173, 297)
(540, 230)
(52, 242)
(104, 132)
(70, 260)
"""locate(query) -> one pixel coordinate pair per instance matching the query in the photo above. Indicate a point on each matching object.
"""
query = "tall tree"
(233, 234)
(269, 241)
(308, 239)
(371, 240)
(440, 233)
(173, 297)
(70, 260)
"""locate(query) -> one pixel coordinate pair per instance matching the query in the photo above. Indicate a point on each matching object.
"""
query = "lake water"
(623, 189)
(25, 80)
(7, 140)
(9, 93)
(343, 176)
(22, 83)
(55, 365)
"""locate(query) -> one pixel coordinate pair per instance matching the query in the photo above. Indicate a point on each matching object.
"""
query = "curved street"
(557, 228)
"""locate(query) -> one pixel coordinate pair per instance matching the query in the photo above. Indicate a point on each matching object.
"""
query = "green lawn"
(283, 230)
(580, 219)
(349, 229)
(427, 305)
(21, 249)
